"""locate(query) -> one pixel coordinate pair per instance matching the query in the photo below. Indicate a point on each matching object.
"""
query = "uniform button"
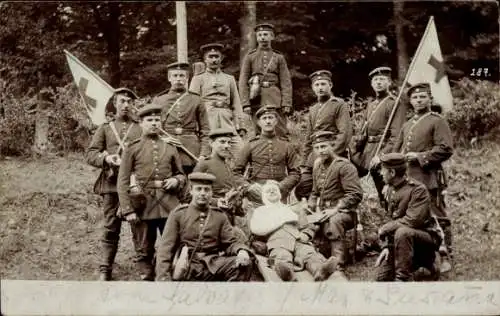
(156, 169)
(156, 176)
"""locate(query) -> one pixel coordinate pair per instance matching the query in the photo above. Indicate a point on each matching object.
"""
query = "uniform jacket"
(376, 118)
(270, 158)
(150, 159)
(255, 62)
(333, 116)
(409, 205)
(225, 179)
(431, 138)
(183, 228)
(336, 184)
(105, 140)
(190, 115)
(217, 86)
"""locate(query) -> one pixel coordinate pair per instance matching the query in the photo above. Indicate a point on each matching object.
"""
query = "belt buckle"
(178, 130)
(158, 183)
(266, 84)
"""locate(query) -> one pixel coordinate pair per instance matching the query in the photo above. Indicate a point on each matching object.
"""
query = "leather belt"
(374, 139)
(181, 131)
(155, 184)
(267, 84)
(217, 104)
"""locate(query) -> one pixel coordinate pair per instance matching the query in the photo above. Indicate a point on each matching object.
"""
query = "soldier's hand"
(242, 258)
(384, 255)
(411, 156)
(374, 162)
(113, 160)
(132, 218)
(170, 183)
(221, 203)
(303, 237)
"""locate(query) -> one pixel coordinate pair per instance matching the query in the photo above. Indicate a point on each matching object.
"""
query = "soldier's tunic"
(336, 184)
(428, 135)
(187, 120)
(411, 234)
(152, 161)
(103, 140)
(270, 158)
(183, 228)
(275, 84)
(219, 94)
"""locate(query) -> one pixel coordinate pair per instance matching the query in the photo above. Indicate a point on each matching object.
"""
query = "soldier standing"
(268, 156)
(204, 233)
(104, 152)
(336, 186)
(426, 141)
(328, 114)
(410, 239)
(265, 78)
(376, 118)
(159, 179)
(184, 116)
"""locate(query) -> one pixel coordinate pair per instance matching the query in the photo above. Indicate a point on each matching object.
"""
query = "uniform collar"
(400, 183)
(200, 208)
(176, 93)
(268, 136)
(381, 95)
(214, 71)
(267, 49)
(420, 114)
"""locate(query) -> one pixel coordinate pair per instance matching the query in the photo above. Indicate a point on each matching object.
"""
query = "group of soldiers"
(172, 168)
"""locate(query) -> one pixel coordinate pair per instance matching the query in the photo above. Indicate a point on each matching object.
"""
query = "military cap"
(201, 178)
(178, 66)
(127, 91)
(266, 109)
(212, 48)
(150, 109)
(264, 27)
(221, 132)
(380, 71)
(321, 74)
(322, 136)
(393, 160)
(419, 87)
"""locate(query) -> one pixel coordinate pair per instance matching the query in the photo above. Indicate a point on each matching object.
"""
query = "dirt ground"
(49, 219)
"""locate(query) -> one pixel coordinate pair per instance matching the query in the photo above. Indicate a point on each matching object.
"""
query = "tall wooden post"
(398, 7)
(182, 42)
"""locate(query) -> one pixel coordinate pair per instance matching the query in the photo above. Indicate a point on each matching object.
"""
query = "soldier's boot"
(285, 271)
(445, 251)
(339, 252)
(109, 250)
(321, 270)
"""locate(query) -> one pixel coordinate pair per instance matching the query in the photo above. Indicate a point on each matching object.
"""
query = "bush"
(476, 110)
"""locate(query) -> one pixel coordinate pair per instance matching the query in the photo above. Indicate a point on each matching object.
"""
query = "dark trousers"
(412, 249)
(144, 235)
(378, 180)
(226, 270)
(110, 232)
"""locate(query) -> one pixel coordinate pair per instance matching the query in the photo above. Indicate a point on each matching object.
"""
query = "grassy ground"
(49, 219)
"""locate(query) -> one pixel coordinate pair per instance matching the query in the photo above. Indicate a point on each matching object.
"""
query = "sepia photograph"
(320, 154)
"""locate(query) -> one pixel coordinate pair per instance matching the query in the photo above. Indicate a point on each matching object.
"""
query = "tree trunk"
(399, 22)
(247, 25)
(113, 41)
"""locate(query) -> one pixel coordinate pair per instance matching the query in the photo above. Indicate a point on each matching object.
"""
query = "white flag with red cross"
(95, 92)
(428, 66)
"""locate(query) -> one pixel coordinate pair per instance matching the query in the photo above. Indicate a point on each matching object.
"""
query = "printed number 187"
(478, 72)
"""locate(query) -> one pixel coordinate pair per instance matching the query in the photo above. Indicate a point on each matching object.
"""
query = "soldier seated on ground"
(411, 238)
(287, 241)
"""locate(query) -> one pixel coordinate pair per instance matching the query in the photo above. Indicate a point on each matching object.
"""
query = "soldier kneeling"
(286, 242)
(209, 249)
(411, 239)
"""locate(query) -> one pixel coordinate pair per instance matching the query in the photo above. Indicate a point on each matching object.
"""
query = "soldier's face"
(178, 78)
(201, 193)
(213, 59)
(324, 150)
(322, 87)
(267, 122)
(150, 124)
(380, 83)
(122, 103)
(420, 101)
(222, 146)
(387, 174)
(271, 193)
(264, 37)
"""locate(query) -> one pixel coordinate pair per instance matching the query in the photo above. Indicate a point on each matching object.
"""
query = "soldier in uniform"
(184, 116)
(328, 114)
(411, 238)
(265, 78)
(159, 179)
(376, 117)
(206, 233)
(426, 141)
(268, 156)
(335, 185)
(104, 152)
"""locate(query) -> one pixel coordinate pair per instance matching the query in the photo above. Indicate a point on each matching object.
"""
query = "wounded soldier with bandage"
(288, 238)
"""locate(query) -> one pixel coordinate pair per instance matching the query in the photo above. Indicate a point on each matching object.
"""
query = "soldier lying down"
(288, 243)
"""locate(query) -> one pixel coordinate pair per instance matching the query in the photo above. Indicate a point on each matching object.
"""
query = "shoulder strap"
(266, 69)
(121, 145)
(198, 242)
(413, 126)
(329, 172)
(175, 104)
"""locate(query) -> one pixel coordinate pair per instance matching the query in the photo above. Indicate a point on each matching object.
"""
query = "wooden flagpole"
(181, 23)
